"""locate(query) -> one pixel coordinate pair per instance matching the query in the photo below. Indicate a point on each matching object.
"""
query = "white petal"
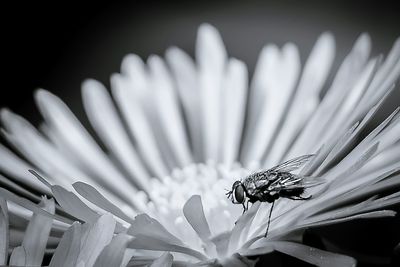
(44, 155)
(98, 236)
(67, 251)
(17, 168)
(281, 74)
(113, 253)
(138, 124)
(68, 127)
(185, 74)
(166, 103)
(348, 79)
(306, 98)
(37, 233)
(211, 58)
(234, 94)
(104, 118)
(4, 233)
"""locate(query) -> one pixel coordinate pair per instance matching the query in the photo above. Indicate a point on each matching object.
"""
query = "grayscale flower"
(175, 134)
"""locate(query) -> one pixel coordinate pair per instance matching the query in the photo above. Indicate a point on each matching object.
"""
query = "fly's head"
(238, 193)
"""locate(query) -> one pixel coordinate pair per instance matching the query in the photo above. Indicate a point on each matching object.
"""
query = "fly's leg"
(300, 197)
(245, 207)
(269, 218)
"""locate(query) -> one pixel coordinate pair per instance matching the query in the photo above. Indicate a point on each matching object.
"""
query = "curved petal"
(105, 120)
(306, 98)
(165, 260)
(211, 57)
(113, 253)
(57, 114)
(4, 232)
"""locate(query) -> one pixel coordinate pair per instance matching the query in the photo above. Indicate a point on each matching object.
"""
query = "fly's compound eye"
(239, 194)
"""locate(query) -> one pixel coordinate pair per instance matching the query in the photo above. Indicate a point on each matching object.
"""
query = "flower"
(180, 133)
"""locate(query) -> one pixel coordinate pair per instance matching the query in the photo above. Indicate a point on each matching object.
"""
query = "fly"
(269, 185)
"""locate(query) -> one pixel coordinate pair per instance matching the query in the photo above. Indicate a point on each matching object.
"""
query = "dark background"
(57, 45)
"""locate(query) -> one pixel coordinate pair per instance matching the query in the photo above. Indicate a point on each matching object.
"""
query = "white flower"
(196, 127)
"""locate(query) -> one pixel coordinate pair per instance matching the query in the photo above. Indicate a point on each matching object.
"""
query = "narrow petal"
(194, 214)
(167, 105)
(57, 114)
(73, 205)
(146, 226)
(42, 153)
(105, 120)
(211, 57)
(185, 74)
(309, 254)
(264, 79)
(244, 221)
(4, 233)
(18, 257)
(387, 75)
(37, 234)
(165, 260)
(138, 124)
(29, 205)
(307, 96)
(15, 167)
(18, 189)
(138, 87)
(68, 249)
(321, 124)
(113, 253)
(277, 80)
(98, 237)
(234, 94)
(94, 196)
(151, 243)
(236, 260)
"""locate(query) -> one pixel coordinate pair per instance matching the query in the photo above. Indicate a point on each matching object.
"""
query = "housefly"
(269, 185)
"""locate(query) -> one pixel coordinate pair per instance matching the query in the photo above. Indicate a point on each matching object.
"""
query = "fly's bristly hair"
(269, 185)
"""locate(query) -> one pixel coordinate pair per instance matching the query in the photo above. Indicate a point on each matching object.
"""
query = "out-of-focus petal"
(152, 243)
(165, 260)
(4, 232)
(113, 253)
(94, 196)
(144, 225)
(97, 238)
(18, 257)
(37, 233)
(67, 251)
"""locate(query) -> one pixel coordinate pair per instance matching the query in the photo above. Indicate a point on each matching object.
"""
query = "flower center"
(211, 181)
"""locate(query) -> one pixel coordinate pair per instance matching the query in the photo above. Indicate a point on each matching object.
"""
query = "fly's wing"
(292, 164)
(295, 182)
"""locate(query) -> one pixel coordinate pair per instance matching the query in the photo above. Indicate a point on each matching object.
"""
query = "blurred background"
(57, 45)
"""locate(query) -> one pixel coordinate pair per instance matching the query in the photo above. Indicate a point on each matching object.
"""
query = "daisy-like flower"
(175, 134)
